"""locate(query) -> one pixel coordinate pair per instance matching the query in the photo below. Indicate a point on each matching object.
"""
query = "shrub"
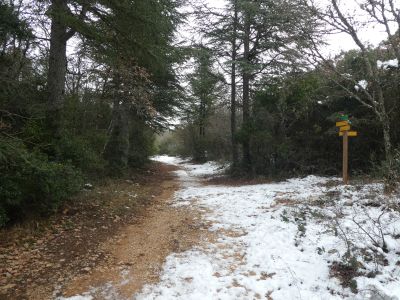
(389, 171)
(346, 271)
(141, 144)
(30, 183)
(80, 153)
(3, 217)
(167, 143)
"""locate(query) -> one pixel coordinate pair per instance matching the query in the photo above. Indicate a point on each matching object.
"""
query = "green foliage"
(123, 68)
(80, 153)
(135, 43)
(142, 144)
(3, 217)
(11, 24)
(167, 144)
(117, 148)
(30, 183)
(353, 286)
(346, 270)
(185, 140)
(205, 90)
(286, 127)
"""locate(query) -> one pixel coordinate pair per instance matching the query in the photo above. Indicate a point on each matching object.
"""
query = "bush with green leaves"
(81, 153)
(30, 183)
(141, 144)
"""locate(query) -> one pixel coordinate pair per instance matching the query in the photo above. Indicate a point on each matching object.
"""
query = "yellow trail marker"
(342, 123)
(349, 133)
(344, 128)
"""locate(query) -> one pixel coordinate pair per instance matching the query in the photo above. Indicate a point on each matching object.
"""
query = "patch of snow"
(202, 170)
(274, 258)
(197, 170)
(172, 160)
(278, 240)
(362, 83)
(394, 63)
(270, 259)
(88, 186)
(347, 75)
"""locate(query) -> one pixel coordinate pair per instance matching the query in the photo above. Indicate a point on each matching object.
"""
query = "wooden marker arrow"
(344, 128)
(349, 133)
(342, 123)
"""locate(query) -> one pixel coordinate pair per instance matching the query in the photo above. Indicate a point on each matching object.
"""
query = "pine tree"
(204, 85)
(63, 28)
(135, 45)
(264, 38)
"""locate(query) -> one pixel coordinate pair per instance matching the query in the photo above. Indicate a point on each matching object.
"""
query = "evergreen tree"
(204, 85)
(135, 45)
(63, 27)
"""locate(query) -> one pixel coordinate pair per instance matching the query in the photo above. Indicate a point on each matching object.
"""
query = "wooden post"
(344, 131)
(345, 157)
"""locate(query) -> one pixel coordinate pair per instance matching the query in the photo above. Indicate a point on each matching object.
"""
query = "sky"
(371, 34)
(337, 42)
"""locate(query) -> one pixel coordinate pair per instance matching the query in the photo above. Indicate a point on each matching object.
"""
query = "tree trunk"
(201, 154)
(385, 120)
(57, 66)
(246, 160)
(387, 142)
(235, 155)
(381, 112)
(202, 120)
(389, 160)
(117, 148)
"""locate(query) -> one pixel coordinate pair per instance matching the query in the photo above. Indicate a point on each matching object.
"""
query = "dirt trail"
(112, 240)
(138, 251)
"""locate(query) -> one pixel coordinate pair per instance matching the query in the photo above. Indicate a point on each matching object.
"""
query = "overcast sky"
(337, 42)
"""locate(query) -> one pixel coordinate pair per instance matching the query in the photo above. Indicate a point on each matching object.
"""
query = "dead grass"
(345, 273)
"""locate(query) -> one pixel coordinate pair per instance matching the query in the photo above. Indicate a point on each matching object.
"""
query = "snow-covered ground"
(280, 241)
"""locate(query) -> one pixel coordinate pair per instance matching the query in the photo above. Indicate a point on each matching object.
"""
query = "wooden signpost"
(344, 128)
(349, 133)
(344, 131)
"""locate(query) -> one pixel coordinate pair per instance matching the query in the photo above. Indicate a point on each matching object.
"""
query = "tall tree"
(246, 62)
(272, 33)
(61, 31)
(235, 20)
(136, 47)
(220, 28)
(264, 39)
(204, 85)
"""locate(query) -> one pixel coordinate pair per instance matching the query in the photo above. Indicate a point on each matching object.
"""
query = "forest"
(90, 89)
(144, 140)
(84, 87)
